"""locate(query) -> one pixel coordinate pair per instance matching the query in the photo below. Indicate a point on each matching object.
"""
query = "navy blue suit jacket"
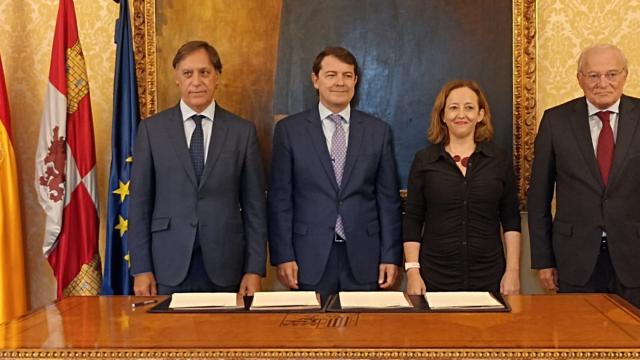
(305, 200)
(168, 206)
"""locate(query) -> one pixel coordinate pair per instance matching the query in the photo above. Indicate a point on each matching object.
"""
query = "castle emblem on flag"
(77, 82)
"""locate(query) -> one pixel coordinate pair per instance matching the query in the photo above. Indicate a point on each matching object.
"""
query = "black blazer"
(227, 208)
(564, 158)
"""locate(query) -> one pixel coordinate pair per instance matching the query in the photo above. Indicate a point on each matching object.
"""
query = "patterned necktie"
(605, 147)
(338, 157)
(196, 147)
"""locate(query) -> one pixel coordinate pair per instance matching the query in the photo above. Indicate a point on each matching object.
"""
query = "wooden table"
(540, 326)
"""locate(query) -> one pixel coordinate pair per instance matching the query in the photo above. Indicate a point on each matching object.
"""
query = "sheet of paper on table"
(285, 300)
(204, 300)
(373, 299)
(462, 299)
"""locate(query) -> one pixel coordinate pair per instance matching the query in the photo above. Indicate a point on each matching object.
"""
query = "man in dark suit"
(197, 218)
(588, 149)
(334, 205)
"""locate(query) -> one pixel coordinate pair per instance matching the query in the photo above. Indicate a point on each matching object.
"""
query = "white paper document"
(373, 300)
(203, 300)
(462, 299)
(285, 300)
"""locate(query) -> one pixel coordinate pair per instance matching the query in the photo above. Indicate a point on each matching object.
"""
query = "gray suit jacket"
(564, 158)
(227, 208)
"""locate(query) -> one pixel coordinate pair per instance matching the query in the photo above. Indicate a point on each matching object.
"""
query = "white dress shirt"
(190, 125)
(328, 126)
(595, 124)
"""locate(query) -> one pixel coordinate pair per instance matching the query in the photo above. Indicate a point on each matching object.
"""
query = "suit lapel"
(580, 126)
(217, 141)
(175, 132)
(356, 134)
(319, 143)
(627, 124)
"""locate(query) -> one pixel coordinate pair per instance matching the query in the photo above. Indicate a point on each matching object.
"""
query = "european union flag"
(117, 279)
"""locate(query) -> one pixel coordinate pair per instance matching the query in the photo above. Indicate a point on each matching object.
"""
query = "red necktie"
(605, 148)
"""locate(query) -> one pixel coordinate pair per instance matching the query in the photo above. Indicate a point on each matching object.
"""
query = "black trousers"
(337, 275)
(603, 280)
(196, 280)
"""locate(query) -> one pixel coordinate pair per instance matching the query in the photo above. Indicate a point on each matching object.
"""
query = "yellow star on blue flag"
(122, 190)
(117, 278)
(123, 225)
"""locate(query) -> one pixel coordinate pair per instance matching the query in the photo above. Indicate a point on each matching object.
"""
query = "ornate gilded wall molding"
(524, 92)
(144, 47)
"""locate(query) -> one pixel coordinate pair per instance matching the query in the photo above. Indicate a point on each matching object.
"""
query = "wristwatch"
(411, 265)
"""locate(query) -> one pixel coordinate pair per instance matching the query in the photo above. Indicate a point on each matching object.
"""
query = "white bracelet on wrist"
(411, 265)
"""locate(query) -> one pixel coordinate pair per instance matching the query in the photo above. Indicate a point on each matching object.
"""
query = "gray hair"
(583, 54)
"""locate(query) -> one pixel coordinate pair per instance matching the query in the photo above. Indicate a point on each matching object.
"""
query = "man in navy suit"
(197, 218)
(334, 204)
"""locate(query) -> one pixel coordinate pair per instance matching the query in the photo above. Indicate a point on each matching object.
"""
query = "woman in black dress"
(461, 191)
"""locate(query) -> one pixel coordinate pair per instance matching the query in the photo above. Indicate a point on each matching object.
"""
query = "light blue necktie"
(338, 157)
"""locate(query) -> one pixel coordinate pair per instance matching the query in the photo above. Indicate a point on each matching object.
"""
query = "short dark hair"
(192, 46)
(339, 52)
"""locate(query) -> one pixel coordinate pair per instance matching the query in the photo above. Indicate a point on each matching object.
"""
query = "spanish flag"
(13, 295)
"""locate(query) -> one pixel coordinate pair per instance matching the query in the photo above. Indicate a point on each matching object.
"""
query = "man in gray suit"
(197, 218)
(588, 149)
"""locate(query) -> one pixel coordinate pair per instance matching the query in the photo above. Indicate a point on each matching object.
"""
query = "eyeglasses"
(611, 76)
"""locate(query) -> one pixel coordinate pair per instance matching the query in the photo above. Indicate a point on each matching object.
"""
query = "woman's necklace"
(464, 161)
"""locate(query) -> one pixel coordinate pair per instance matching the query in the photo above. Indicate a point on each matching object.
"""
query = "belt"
(603, 244)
